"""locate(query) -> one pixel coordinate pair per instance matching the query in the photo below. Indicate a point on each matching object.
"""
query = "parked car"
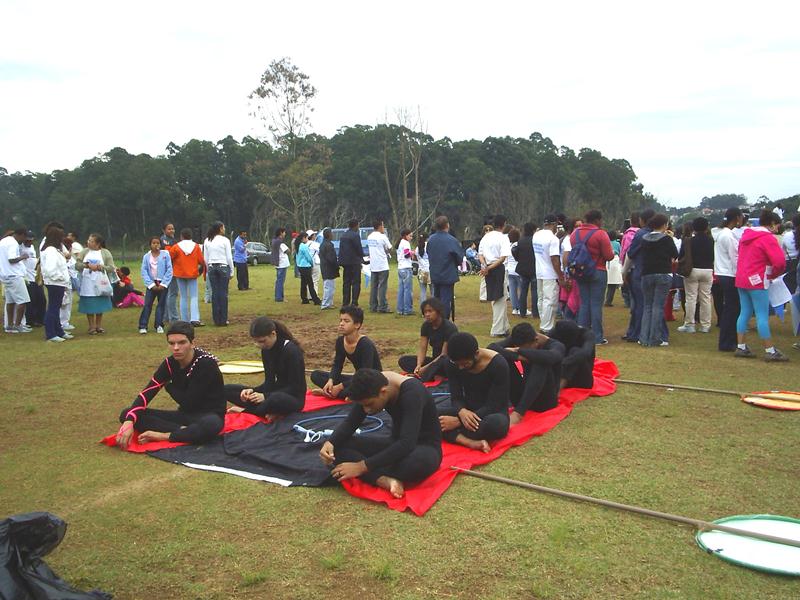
(362, 231)
(257, 254)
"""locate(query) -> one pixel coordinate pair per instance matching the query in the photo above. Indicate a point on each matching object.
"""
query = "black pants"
(493, 426)
(307, 286)
(409, 362)
(730, 313)
(351, 284)
(419, 464)
(194, 428)
(276, 403)
(320, 378)
(579, 374)
(34, 310)
(444, 292)
(242, 276)
(717, 295)
(536, 391)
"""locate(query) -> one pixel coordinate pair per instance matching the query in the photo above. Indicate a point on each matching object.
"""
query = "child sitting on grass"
(124, 294)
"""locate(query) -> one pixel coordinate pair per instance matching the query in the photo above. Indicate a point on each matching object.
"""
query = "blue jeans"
(405, 304)
(593, 293)
(655, 288)
(328, 287)
(280, 278)
(524, 286)
(377, 292)
(172, 301)
(52, 317)
(637, 307)
(444, 292)
(513, 291)
(190, 309)
(150, 296)
(219, 276)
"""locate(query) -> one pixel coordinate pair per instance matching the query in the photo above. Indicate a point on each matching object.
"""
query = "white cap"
(310, 232)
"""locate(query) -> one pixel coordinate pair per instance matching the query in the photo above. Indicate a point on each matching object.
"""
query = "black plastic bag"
(24, 540)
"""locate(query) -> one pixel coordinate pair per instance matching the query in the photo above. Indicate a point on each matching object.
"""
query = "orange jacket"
(187, 266)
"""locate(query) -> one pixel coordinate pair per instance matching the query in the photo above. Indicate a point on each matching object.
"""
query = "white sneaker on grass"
(67, 336)
(55, 338)
(11, 330)
(143, 331)
(687, 328)
(704, 329)
(68, 327)
(159, 330)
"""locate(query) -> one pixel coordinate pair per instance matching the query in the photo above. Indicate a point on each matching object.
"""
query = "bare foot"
(235, 409)
(481, 445)
(515, 417)
(392, 485)
(153, 436)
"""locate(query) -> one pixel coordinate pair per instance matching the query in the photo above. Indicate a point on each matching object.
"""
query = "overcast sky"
(702, 98)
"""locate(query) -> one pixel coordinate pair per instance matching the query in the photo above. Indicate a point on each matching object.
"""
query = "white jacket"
(54, 267)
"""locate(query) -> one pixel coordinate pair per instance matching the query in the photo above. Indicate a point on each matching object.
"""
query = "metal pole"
(701, 525)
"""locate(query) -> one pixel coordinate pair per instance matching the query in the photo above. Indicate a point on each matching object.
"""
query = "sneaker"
(159, 329)
(704, 329)
(143, 331)
(796, 345)
(68, 327)
(67, 336)
(602, 342)
(24, 329)
(687, 328)
(198, 324)
(663, 344)
(776, 356)
(55, 339)
(515, 311)
(746, 353)
(11, 330)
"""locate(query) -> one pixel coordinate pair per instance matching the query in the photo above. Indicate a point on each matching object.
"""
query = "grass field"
(142, 528)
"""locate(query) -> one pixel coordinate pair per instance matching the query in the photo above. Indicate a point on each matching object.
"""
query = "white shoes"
(704, 329)
(55, 339)
(159, 330)
(687, 328)
(515, 311)
(143, 331)
(67, 336)
(68, 327)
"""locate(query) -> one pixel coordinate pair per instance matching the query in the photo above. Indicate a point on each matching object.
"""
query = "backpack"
(581, 265)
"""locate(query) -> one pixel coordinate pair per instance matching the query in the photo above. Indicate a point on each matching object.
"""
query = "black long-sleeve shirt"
(583, 349)
(284, 370)
(415, 422)
(197, 389)
(483, 393)
(550, 355)
(365, 355)
(702, 250)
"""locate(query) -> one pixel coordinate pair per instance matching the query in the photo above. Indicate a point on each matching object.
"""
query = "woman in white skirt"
(614, 270)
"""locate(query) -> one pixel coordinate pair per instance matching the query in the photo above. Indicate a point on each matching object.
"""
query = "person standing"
(12, 276)
(316, 270)
(444, 256)
(187, 265)
(379, 251)
(614, 269)
(592, 288)
(697, 285)
(239, 261)
(34, 311)
(726, 255)
(305, 262)
(219, 259)
(168, 239)
(351, 257)
(329, 268)
(95, 264)
(280, 258)
(790, 242)
(55, 276)
(634, 271)
(493, 251)
(511, 272)
(526, 270)
(657, 253)
(405, 275)
(423, 267)
(156, 275)
(547, 252)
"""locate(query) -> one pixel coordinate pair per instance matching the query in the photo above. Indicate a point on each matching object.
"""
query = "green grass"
(140, 527)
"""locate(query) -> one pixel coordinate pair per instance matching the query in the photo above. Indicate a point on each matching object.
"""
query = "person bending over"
(436, 331)
(191, 376)
(350, 344)
(479, 392)
(577, 368)
(284, 387)
(536, 388)
(414, 450)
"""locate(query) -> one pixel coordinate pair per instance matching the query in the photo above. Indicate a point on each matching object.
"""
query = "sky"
(700, 97)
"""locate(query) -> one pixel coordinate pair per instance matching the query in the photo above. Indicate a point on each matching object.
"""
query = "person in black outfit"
(435, 331)
(577, 368)
(411, 454)
(536, 388)
(351, 257)
(284, 387)
(526, 269)
(479, 393)
(191, 376)
(329, 268)
(444, 256)
(358, 348)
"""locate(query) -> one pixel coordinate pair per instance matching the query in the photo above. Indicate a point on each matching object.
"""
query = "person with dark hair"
(167, 240)
(351, 257)
(435, 332)
(790, 242)
(613, 269)
(726, 255)
(305, 262)
(526, 270)
(351, 345)
(187, 265)
(536, 388)
(512, 278)
(658, 251)
(95, 264)
(219, 258)
(444, 255)
(405, 275)
(55, 277)
(284, 387)
(632, 272)
(479, 394)
(12, 276)
(240, 261)
(192, 377)
(156, 275)
(411, 454)
(547, 253)
(630, 227)
(379, 250)
(592, 287)
(493, 251)
(329, 268)
(577, 368)
(697, 285)
(423, 267)
(280, 258)
(35, 309)
(760, 261)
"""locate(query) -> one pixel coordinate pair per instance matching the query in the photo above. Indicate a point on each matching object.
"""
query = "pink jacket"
(759, 252)
(627, 238)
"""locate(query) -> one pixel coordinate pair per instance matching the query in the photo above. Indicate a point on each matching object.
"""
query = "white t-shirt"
(566, 248)
(218, 252)
(511, 262)
(379, 249)
(788, 245)
(313, 247)
(30, 262)
(424, 263)
(10, 248)
(726, 253)
(494, 245)
(283, 259)
(404, 254)
(545, 245)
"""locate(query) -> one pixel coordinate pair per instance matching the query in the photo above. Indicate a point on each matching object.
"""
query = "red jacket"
(759, 252)
(599, 244)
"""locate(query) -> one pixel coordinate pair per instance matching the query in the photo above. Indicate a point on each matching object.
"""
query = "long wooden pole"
(699, 524)
(680, 387)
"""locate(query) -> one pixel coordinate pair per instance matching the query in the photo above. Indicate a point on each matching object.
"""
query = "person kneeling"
(479, 392)
(577, 368)
(435, 331)
(414, 450)
(536, 388)
(284, 387)
(192, 377)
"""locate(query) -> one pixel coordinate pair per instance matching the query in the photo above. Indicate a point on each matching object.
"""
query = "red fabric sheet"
(418, 499)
